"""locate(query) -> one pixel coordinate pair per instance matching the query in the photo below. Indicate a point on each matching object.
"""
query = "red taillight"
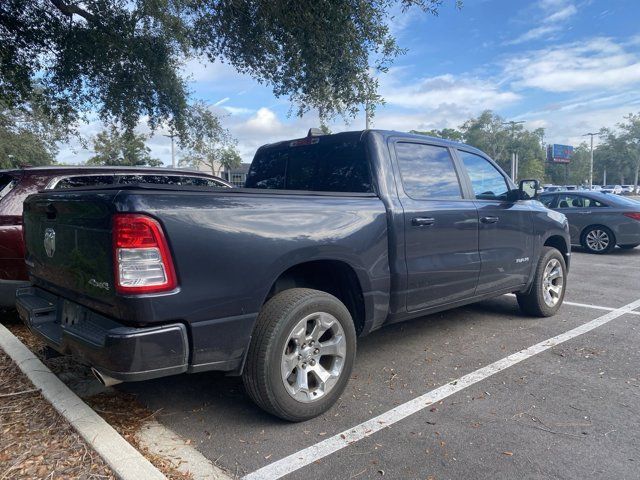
(141, 256)
(634, 215)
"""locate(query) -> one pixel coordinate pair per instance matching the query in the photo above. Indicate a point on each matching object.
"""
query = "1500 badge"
(522, 260)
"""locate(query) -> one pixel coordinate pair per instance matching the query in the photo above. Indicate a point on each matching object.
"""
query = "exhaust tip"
(104, 379)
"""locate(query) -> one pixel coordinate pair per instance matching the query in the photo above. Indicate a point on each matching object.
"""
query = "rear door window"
(577, 201)
(202, 182)
(84, 181)
(427, 171)
(181, 180)
(150, 179)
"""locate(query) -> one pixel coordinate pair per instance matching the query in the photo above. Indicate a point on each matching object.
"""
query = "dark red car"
(16, 185)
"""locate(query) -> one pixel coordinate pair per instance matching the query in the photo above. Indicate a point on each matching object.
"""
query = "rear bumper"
(121, 352)
(8, 291)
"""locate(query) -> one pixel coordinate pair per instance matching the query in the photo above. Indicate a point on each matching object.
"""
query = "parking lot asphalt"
(571, 411)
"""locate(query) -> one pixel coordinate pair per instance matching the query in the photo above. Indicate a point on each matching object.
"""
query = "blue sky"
(570, 66)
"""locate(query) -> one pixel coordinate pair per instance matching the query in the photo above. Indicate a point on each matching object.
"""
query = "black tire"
(629, 246)
(262, 375)
(597, 230)
(533, 302)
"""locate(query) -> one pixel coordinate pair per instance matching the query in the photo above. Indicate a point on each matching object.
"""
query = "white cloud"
(599, 63)
(562, 15)
(466, 93)
(535, 33)
(555, 13)
(221, 102)
(264, 120)
(238, 110)
(202, 70)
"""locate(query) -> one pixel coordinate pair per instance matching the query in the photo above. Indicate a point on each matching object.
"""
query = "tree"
(216, 160)
(631, 136)
(210, 144)
(615, 155)
(489, 133)
(446, 133)
(121, 148)
(26, 137)
(123, 58)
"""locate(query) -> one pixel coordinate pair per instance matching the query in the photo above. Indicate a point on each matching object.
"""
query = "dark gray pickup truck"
(333, 237)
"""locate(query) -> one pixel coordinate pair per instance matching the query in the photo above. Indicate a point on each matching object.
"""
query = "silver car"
(598, 221)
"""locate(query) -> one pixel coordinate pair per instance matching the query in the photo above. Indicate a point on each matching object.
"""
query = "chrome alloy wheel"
(313, 357)
(552, 282)
(597, 240)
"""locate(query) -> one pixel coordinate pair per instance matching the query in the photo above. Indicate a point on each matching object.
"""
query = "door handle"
(583, 212)
(490, 219)
(423, 221)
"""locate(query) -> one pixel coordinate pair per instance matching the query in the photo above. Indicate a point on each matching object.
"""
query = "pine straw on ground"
(49, 443)
(35, 441)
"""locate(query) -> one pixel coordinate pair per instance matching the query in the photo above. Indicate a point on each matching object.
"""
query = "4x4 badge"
(50, 242)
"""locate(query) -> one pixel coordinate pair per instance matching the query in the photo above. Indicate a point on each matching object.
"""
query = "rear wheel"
(598, 239)
(301, 354)
(629, 246)
(547, 291)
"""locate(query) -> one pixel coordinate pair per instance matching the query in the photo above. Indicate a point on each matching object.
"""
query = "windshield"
(321, 164)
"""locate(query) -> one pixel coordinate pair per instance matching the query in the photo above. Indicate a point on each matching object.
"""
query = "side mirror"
(528, 189)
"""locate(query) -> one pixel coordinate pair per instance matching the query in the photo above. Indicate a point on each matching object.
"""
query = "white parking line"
(595, 307)
(584, 305)
(320, 450)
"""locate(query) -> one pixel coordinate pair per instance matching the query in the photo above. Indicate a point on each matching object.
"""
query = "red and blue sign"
(559, 153)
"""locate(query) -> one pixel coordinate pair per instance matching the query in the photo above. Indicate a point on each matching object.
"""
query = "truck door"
(441, 227)
(506, 227)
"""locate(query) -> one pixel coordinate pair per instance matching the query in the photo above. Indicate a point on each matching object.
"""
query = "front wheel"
(547, 291)
(301, 354)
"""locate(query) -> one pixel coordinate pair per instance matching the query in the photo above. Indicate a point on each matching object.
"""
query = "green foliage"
(491, 134)
(121, 148)
(27, 138)
(631, 136)
(122, 58)
(446, 133)
(619, 152)
(209, 145)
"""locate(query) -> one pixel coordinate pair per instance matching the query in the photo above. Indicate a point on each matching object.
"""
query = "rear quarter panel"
(229, 249)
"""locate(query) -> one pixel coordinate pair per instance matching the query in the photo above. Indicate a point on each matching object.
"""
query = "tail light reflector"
(142, 259)
(634, 215)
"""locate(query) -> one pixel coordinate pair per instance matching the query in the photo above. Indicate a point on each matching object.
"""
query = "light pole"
(367, 115)
(591, 160)
(514, 154)
(173, 154)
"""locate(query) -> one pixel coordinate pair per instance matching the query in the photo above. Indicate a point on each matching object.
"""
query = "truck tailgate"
(69, 244)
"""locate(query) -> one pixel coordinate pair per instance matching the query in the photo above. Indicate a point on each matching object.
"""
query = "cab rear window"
(322, 164)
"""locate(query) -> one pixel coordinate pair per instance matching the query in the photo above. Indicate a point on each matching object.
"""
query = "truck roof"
(359, 134)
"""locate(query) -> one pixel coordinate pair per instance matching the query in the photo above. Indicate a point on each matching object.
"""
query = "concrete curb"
(125, 461)
(164, 442)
